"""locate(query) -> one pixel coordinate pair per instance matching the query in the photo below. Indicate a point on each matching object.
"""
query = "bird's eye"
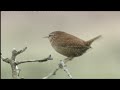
(50, 35)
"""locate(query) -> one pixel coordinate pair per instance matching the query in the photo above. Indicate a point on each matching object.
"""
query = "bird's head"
(54, 35)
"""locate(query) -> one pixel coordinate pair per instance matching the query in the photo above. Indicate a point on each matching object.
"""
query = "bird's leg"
(68, 59)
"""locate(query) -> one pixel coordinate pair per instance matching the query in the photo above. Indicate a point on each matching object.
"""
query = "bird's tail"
(89, 42)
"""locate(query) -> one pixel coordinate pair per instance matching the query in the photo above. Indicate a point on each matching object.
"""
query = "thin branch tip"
(61, 65)
(50, 57)
(25, 48)
(14, 49)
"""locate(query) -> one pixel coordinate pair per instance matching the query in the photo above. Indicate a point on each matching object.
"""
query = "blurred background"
(27, 28)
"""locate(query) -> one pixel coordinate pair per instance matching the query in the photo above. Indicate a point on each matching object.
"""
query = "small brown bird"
(69, 45)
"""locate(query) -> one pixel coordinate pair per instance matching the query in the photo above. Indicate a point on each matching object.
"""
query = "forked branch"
(61, 65)
(14, 64)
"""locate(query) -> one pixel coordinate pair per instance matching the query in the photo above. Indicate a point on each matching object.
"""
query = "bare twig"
(21, 51)
(51, 74)
(5, 59)
(15, 53)
(67, 71)
(61, 65)
(43, 60)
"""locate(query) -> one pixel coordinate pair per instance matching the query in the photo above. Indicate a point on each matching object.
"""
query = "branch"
(14, 64)
(66, 70)
(21, 51)
(61, 65)
(51, 74)
(5, 59)
(43, 60)
(15, 53)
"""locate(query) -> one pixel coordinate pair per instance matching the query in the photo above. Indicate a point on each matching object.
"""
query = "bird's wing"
(71, 41)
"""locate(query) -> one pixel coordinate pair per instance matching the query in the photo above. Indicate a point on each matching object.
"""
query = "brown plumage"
(69, 45)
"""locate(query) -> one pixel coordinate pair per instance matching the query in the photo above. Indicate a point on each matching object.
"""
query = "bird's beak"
(46, 37)
(90, 47)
